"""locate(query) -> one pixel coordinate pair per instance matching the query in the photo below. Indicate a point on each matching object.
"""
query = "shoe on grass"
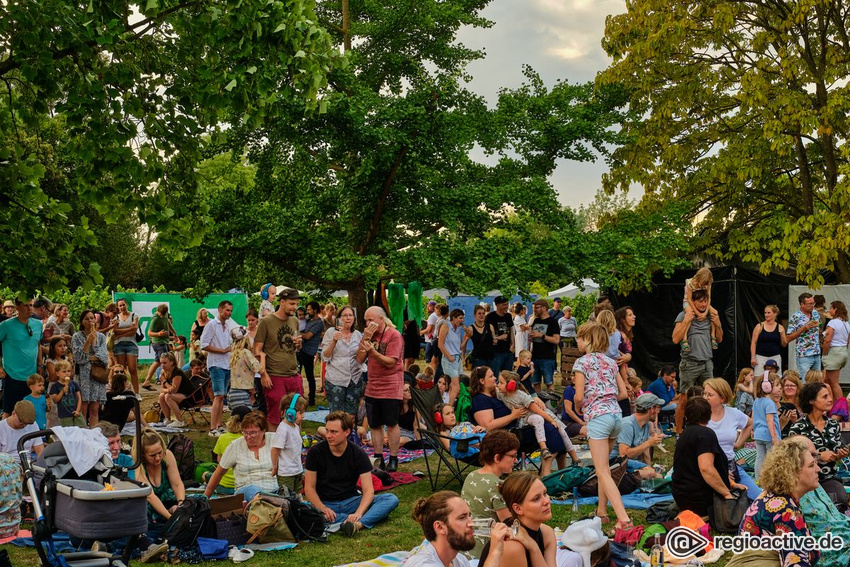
(154, 552)
(177, 423)
(350, 528)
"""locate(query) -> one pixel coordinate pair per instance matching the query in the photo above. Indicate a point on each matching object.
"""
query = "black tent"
(739, 294)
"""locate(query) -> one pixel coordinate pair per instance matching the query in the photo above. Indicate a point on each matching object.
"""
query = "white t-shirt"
(9, 437)
(840, 332)
(432, 322)
(520, 336)
(426, 556)
(288, 440)
(249, 470)
(727, 430)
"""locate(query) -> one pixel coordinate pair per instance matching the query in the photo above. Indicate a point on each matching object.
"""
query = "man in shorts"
(276, 345)
(216, 341)
(383, 346)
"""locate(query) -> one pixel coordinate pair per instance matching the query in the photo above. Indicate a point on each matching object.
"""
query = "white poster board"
(831, 293)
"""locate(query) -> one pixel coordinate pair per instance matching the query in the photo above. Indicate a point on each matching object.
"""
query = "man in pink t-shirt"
(383, 346)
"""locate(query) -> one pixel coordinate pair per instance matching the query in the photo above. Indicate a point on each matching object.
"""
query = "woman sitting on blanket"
(463, 435)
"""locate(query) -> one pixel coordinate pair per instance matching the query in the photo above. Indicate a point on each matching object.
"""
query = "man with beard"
(275, 346)
(448, 527)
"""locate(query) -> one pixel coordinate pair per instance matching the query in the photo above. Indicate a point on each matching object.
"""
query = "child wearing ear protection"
(287, 444)
(766, 428)
(511, 393)
(447, 426)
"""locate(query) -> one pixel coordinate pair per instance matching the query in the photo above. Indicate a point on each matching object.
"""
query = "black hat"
(288, 293)
(500, 299)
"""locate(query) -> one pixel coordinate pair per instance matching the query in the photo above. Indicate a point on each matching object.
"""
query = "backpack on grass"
(191, 519)
(184, 453)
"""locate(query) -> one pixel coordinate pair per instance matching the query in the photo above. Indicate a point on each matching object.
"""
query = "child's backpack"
(564, 480)
(184, 453)
(191, 519)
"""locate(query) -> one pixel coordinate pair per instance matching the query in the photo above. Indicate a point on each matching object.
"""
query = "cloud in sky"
(561, 40)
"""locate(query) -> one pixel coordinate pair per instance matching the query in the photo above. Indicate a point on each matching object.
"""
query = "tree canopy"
(137, 88)
(382, 185)
(743, 118)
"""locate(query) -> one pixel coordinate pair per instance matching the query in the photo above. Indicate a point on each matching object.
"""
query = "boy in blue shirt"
(38, 399)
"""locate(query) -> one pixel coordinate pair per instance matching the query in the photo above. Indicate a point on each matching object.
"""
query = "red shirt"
(386, 382)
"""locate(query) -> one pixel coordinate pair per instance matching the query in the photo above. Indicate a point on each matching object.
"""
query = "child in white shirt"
(287, 444)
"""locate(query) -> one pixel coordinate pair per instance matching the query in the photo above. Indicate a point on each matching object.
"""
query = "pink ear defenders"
(766, 385)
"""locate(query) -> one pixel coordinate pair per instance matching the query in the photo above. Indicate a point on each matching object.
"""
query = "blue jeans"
(220, 380)
(806, 363)
(753, 490)
(543, 368)
(429, 351)
(250, 491)
(502, 361)
(380, 509)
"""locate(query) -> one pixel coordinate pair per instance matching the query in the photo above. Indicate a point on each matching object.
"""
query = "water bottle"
(656, 554)
(575, 510)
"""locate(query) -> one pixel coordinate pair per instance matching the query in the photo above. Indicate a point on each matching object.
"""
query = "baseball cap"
(771, 363)
(241, 411)
(288, 293)
(432, 302)
(500, 299)
(238, 333)
(25, 411)
(648, 401)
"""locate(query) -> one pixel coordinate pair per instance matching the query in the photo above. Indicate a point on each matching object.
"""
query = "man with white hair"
(383, 346)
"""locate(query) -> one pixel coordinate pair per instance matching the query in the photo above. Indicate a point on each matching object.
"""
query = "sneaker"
(177, 423)
(214, 433)
(350, 528)
(154, 552)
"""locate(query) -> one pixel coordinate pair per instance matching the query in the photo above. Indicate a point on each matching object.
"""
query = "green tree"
(140, 86)
(381, 186)
(743, 117)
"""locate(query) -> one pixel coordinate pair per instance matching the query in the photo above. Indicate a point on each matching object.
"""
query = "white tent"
(571, 290)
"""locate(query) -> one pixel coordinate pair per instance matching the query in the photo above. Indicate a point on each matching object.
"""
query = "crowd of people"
(57, 372)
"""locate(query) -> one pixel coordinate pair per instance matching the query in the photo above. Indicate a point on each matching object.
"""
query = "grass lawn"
(399, 533)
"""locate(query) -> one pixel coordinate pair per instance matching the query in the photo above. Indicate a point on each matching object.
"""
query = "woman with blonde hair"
(731, 426)
(159, 470)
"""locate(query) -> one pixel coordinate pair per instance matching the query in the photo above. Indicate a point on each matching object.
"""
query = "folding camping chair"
(424, 401)
(200, 397)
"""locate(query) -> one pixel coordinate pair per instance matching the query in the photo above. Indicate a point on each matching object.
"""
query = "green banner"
(182, 310)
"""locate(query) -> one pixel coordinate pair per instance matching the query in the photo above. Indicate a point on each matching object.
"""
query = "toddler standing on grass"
(766, 429)
(39, 401)
(287, 444)
(65, 393)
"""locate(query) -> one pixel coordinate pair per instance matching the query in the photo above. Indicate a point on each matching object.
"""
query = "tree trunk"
(843, 268)
(357, 300)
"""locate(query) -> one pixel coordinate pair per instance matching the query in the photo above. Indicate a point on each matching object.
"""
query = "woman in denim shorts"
(124, 346)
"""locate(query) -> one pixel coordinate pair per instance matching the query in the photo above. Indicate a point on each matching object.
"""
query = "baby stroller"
(82, 505)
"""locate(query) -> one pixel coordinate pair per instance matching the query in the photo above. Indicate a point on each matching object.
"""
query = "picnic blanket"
(636, 500)
(400, 478)
(404, 456)
(318, 415)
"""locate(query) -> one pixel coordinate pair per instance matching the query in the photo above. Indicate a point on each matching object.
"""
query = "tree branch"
(375, 225)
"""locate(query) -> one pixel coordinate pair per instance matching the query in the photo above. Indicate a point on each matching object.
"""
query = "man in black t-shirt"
(501, 329)
(332, 470)
(544, 336)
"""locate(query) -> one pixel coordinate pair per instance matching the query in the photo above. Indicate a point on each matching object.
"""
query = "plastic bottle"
(656, 554)
(575, 511)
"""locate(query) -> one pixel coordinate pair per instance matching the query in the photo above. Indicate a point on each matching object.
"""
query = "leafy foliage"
(380, 186)
(137, 85)
(744, 121)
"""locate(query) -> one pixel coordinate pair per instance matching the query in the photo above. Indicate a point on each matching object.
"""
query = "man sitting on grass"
(332, 470)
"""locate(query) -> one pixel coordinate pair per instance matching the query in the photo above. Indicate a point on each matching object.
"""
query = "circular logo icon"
(682, 542)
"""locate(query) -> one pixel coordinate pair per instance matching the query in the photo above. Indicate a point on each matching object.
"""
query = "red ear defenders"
(512, 385)
(291, 415)
(438, 414)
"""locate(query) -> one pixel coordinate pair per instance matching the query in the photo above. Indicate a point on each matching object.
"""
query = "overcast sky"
(560, 39)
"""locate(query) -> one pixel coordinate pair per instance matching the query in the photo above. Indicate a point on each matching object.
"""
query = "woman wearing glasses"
(250, 458)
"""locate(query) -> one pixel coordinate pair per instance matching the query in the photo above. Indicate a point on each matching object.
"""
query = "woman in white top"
(520, 328)
(250, 458)
(343, 374)
(834, 346)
